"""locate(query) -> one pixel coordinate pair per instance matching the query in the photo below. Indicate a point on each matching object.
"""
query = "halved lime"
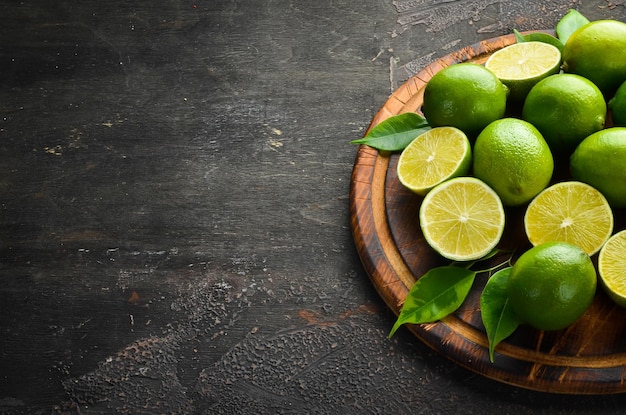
(572, 212)
(612, 267)
(521, 65)
(433, 157)
(462, 219)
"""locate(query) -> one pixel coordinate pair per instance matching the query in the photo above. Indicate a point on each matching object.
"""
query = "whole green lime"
(466, 96)
(597, 51)
(617, 105)
(566, 108)
(600, 161)
(551, 285)
(511, 156)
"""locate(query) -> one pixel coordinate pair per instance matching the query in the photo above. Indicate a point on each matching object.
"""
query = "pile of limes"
(501, 131)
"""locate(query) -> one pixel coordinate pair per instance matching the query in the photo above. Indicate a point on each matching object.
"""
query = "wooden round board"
(588, 357)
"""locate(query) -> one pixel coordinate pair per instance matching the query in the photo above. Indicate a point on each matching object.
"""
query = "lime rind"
(565, 108)
(523, 61)
(612, 268)
(464, 95)
(511, 156)
(552, 285)
(595, 51)
(539, 37)
(521, 65)
(562, 213)
(617, 105)
(599, 161)
(433, 157)
(462, 219)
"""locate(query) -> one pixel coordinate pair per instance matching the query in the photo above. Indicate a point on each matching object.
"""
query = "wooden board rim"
(391, 276)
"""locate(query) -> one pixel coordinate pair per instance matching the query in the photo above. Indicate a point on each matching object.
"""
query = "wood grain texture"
(589, 357)
(174, 190)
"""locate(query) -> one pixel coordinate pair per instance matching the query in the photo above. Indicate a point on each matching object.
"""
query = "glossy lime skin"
(617, 105)
(552, 285)
(566, 108)
(511, 156)
(466, 96)
(600, 161)
(597, 51)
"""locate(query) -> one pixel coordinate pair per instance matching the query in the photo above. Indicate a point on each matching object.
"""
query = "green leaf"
(396, 132)
(568, 24)
(538, 37)
(438, 293)
(498, 318)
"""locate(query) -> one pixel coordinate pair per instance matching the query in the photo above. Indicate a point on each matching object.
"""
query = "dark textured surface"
(174, 195)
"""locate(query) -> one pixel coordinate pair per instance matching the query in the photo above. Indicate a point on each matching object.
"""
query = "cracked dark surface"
(175, 232)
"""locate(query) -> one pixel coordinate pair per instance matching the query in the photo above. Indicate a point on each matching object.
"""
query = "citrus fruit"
(512, 157)
(571, 212)
(521, 65)
(551, 285)
(597, 51)
(617, 105)
(599, 160)
(465, 95)
(566, 108)
(612, 267)
(541, 37)
(437, 155)
(462, 219)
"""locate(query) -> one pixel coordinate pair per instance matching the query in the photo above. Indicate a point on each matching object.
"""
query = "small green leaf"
(498, 318)
(519, 38)
(438, 293)
(568, 24)
(396, 132)
(539, 37)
